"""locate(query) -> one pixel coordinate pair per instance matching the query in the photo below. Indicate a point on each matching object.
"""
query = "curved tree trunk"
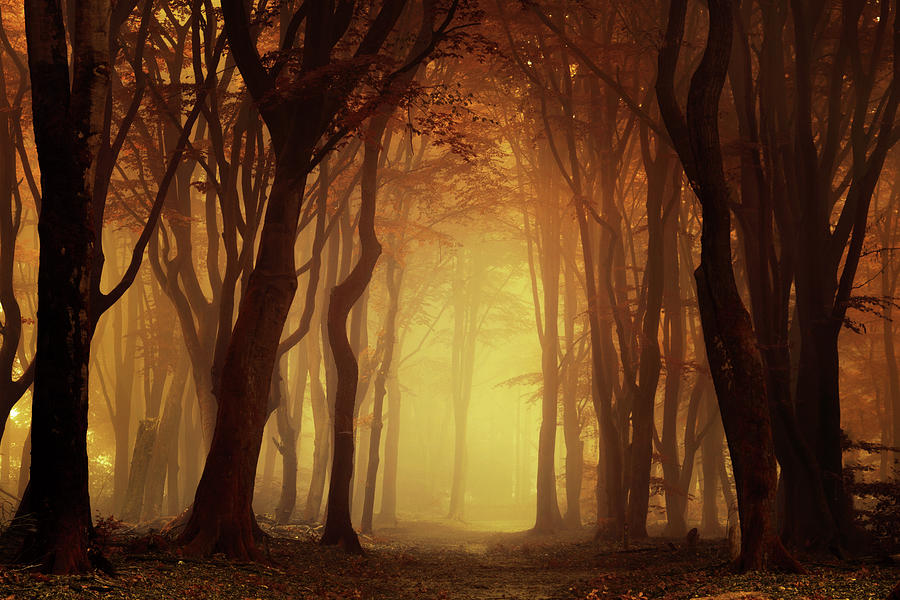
(222, 518)
(732, 349)
(390, 338)
(338, 527)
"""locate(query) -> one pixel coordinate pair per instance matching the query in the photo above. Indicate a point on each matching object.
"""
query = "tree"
(75, 152)
(731, 344)
(222, 519)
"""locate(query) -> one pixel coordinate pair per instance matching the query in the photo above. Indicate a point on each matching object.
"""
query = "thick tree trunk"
(222, 518)
(67, 128)
(731, 345)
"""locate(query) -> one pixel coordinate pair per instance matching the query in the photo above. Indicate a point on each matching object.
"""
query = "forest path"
(446, 560)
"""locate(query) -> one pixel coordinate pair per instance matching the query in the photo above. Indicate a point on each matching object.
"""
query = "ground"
(449, 561)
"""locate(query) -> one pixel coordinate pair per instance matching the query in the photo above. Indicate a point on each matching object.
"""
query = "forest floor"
(448, 561)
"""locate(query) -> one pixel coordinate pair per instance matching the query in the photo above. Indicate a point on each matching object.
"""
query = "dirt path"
(448, 561)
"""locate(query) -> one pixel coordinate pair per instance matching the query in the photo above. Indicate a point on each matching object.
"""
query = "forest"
(570, 299)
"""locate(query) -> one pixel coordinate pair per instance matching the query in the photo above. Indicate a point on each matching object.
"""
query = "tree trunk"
(125, 344)
(731, 345)
(140, 465)
(338, 527)
(388, 514)
(25, 465)
(548, 518)
(467, 303)
(222, 518)
(571, 417)
(676, 495)
(319, 401)
(67, 127)
(657, 170)
(166, 438)
(286, 420)
(390, 339)
(713, 462)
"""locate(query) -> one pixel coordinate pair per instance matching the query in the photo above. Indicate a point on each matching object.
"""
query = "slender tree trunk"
(125, 344)
(24, 465)
(657, 170)
(390, 340)
(467, 303)
(338, 527)
(713, 462)
(319, 401)
(286, 420)
(388, 514)
(571, 418)
(165, 445)
(676, 496)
